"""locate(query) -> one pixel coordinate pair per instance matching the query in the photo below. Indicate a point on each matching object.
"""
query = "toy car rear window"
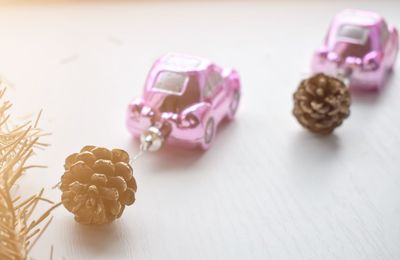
(353, 34)
(171, 82)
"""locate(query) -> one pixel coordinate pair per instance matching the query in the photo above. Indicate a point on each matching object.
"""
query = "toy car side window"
(213, 80)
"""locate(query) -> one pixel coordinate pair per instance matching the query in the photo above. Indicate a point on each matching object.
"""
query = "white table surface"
(266, 190)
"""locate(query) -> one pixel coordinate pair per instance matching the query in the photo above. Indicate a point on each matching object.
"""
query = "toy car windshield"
(353, 34)
(171, 82)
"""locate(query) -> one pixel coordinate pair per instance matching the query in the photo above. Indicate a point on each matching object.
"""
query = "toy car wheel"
(233, 106)
(209, 133)
(390, 68)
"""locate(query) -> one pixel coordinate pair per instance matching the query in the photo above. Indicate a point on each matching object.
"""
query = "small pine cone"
(97, 184)
(321, 103)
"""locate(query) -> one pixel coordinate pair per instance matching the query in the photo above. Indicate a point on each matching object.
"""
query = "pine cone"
(97, 184)
(321, 103)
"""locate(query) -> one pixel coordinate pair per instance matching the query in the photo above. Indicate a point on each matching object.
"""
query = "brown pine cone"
(321, 103)
(97, 184)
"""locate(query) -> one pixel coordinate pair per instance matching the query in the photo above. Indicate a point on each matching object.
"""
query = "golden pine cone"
(97, 184)
(321, 103)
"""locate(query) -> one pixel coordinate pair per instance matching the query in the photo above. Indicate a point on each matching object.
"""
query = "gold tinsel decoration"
(321, 103)
(97, 185)
(19, 231)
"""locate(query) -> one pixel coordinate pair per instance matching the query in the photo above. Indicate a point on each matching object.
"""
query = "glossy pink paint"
(186, 97)
(359, 46)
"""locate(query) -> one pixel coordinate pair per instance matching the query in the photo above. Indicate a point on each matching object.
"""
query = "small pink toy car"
(185, 97)
(359, 46)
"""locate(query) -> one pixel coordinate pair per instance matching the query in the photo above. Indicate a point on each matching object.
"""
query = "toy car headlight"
(322, 53)
(134, 111)
(189, 120)
(371, 61)
(333, 57)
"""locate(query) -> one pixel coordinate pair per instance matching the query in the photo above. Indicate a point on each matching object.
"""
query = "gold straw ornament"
(19, 231)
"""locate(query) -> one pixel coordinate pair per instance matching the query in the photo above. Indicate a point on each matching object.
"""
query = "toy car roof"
(180, 62)
(357, 17)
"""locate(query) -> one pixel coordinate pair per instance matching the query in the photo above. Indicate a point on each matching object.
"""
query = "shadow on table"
(315, 161)
(370, 98)
(171, 157)
(168, 157)
(97, 240)
(314, 151)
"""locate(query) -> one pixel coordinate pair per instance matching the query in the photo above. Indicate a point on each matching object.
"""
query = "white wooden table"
(266, 190)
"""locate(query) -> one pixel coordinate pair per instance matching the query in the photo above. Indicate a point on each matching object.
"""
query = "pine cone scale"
(119, 183)
(128, 197)
(81, 171)
(87, 157)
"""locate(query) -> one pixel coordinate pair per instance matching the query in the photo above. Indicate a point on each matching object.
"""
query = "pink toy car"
(360, 47)
(185, 97)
